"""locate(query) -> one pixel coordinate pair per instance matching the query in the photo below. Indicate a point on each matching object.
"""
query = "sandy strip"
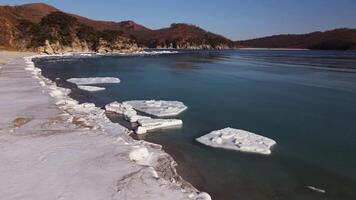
(51, 152)
(6, 56)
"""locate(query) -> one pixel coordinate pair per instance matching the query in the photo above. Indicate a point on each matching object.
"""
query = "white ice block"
(158, 108)
(90, 88)
(236, 139)
(93, 80)
(147, 124)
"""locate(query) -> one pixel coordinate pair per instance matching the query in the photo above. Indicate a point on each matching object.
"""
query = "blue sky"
(235, 19)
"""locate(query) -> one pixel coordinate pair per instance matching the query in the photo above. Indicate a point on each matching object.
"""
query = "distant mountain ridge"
(337, 39)
(40, 27)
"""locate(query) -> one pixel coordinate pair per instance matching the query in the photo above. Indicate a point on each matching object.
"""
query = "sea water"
(304, 100)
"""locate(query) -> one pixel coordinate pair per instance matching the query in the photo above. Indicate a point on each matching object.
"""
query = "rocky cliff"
(43, 28)
(56, 32)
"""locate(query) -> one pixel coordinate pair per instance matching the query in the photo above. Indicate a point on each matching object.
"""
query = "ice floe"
(145, 123)
(120, 108)
(93, 80)
(90, 88)
(148, 124)
(158, 108)
(236, 139)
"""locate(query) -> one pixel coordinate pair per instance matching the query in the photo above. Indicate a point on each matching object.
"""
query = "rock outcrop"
(58, 32)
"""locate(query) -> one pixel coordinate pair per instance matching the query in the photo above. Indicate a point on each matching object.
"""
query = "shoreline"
(77, 118)
(274, 49)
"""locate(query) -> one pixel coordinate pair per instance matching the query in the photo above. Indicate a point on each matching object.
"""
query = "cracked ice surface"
(93, 80)
(236, 139)
(158, 108)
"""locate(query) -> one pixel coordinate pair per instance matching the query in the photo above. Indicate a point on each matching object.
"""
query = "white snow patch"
(236, 139)
(93, 80)
(90, 88)
(139, 154)
(158, 108)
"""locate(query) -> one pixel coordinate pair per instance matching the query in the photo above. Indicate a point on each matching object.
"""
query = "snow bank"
(90, 88)
(158, 108)
(237, 139)
(93, 80)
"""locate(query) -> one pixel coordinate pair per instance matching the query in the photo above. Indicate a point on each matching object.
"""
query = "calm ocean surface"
(305, 100)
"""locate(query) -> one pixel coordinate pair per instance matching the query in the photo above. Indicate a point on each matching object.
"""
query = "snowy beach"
(52, 147)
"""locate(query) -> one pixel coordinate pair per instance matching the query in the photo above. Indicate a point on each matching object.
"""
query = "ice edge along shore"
(156, 177)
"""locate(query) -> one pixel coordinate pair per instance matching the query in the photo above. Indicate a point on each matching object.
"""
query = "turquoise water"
(305, 100)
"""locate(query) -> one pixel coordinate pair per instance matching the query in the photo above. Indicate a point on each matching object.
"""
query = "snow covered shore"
(51, 147)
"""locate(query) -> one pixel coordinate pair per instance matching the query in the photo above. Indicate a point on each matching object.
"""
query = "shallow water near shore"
(305, 100)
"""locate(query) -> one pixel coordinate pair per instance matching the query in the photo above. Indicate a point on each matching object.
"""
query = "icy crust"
(159, 166)
(236, 139)
(158, 108)
(93, 80)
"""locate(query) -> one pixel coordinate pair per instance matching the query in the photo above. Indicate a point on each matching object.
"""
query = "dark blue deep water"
(305, 100)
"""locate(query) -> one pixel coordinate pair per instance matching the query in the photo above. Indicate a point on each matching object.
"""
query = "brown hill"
(13, 19)
(41, 27)
(183, 36)
(338, 39)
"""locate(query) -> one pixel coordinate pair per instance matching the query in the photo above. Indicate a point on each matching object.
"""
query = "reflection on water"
(305, 100)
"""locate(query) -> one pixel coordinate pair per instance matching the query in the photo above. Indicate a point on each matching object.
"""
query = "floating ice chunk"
(93, 80)
(139, 154)
(316, 189)
(90, 88)
(147, 124)
(121, 108)
(158, 108)
(237, 139)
